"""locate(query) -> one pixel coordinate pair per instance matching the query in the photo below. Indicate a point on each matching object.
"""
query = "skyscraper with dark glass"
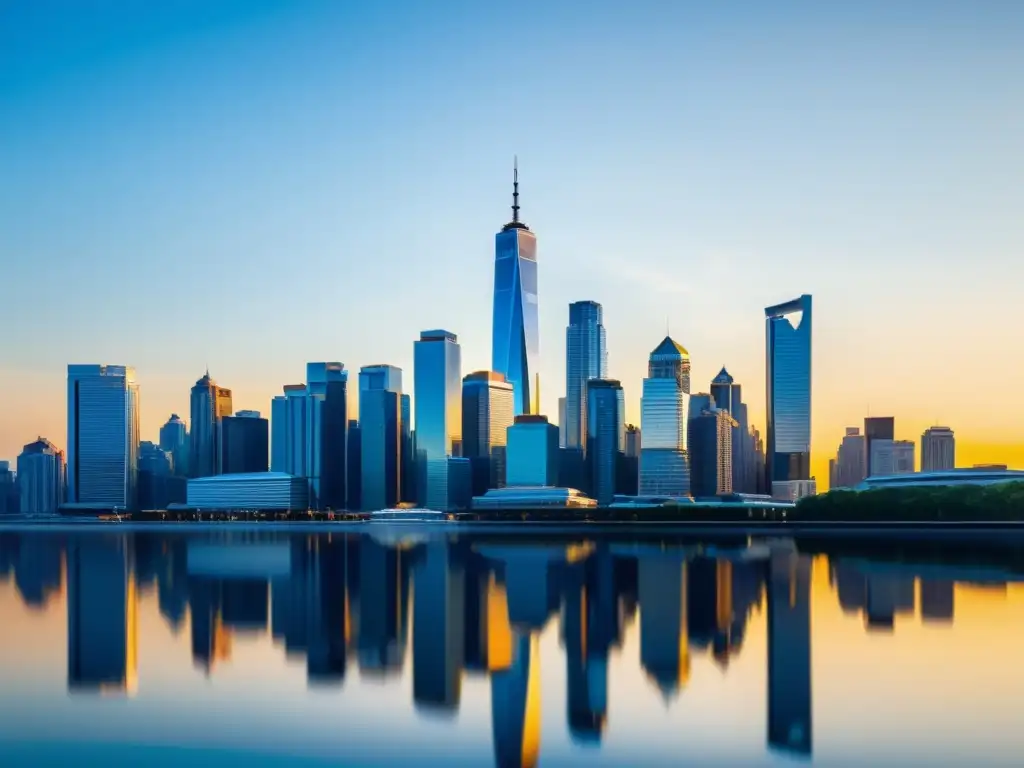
(788, 398)
(586, 357)
(515, 343)
(606, 436)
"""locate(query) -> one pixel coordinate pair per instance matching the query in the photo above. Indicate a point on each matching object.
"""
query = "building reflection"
(437, 609)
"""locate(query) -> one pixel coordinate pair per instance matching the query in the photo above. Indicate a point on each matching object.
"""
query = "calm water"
(266, 649)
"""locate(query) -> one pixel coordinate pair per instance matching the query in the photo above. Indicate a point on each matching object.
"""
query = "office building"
(851, 461)
(891, 457)
(174, 440)
(438, 394)
(515, 342)
(380, 433)
(664, 409)
(938, 449)
(532, 452)
(103, 436)
(244, 443)
(586, 357)
(487, 408)
(210, 404)
(877, 428)
(606, 437)
(710, 442)
(41, 477)
(788, 397)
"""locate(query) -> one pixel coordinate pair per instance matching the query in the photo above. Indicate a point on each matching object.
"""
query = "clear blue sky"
(252, 184)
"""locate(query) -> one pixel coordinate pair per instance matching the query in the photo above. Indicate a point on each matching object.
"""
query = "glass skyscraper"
(437, 389)
(586, 357)
(515, 343)
(380, 432)
(664, 411)
(103, 435)
(487, 410)
(788, 398)
(606, 437)
(209, 404)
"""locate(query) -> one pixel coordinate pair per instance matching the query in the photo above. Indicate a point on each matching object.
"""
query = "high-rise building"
(850, 462)
(877, 428)
(515, 343)
(664, 411)
(244, 443)
(891, 457)
(586, 357)
(606, 437)
(41, 477)
(938, 449)
(437, 388)
(103, 435)
(710, 441)
(788, 398)
(487, 408)
(728, 396)
(209, 404)
(532, 452)
(174, 440)
(380, 433)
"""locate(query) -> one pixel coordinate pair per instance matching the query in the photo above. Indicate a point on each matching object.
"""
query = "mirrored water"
(230, 646)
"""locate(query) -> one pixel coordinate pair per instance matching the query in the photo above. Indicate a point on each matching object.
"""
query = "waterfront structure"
(437, 386)
(788, 397)
(533, 454)
(523, 497)
(938, 449)
(103, 436)
(850, 462)
(877, 428)
(209, 404)
(664, 412)
(174, 440)
(605, 437)
(586, 357)
(380, 433)
(244, 443)
(515, 341)
(260, 491)
(891, 457)
(487, 408)
(710, 440)
(41, 478)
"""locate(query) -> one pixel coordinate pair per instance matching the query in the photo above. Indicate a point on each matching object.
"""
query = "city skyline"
(843, 196)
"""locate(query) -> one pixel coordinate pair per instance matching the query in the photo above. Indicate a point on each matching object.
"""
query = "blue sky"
(252, 185)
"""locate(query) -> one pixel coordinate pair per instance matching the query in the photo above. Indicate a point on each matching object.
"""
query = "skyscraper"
(487, 407)
(515, 343)
(380, 432)
(174, 440)
(938, 450)
(606, 436)
(41, 478)
(210, 404)
(664, 412)
(877, 428)
(244, 443)
(438, 394)
(103, 435)
(586, 357)
(788, 398)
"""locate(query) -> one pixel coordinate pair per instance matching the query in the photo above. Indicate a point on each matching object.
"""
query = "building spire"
(515, 189)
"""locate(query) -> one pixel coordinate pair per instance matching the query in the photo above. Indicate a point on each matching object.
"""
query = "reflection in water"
(448, 609)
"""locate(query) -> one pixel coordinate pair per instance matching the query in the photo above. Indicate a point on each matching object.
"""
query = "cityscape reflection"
(452, 609)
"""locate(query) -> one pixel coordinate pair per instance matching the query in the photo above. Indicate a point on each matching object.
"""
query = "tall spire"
(515, 189)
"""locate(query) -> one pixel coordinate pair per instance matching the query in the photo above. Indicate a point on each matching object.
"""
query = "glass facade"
(487, 413)
(380, 431)
(586, 357)
(788, 396)
(437, 388)
(103, 435)
(515, 343)
(606, 437)
(532, 452)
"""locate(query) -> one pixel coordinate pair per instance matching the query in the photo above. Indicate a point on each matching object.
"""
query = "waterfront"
(381, 646)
